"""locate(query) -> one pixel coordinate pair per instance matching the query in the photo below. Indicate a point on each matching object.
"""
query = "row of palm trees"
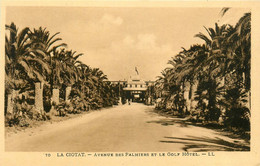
(40, 73)
(210, 82)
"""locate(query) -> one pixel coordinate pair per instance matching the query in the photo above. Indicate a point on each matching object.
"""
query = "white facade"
(135, 84)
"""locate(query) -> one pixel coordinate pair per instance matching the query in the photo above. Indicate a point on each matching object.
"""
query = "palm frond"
(224, 11)
(203, 37)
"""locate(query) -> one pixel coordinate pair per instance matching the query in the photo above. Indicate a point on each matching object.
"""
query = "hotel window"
(141, 86)
(130, 86)
(136, 86)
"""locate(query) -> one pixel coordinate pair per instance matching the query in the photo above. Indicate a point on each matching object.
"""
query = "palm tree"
(213, 66)
(43, 44)
(98, 77)
(195, 57)
(241, 43)
(240, 39)
(70, 74)
(182, 76)
(58, 67)
(239, 56)
(173, 80)
(84, 85)
(21, 61)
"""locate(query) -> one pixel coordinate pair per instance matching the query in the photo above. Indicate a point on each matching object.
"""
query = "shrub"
(237, 114)
(16, 120)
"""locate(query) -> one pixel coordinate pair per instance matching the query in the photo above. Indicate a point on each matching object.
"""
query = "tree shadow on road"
(200, 144)
(166, 122)
(162, 122)
(185, 122)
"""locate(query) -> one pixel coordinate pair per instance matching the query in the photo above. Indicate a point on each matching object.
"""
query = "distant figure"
(158, 102)
(149, 101)
(129, 103)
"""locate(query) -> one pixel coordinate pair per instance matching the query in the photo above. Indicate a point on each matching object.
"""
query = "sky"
(117, 40)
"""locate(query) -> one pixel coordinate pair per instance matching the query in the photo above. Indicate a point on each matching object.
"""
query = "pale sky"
(117, 40)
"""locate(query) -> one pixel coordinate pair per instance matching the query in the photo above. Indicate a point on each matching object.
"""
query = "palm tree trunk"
(249, 99)
(39, 97)
(10, 102)
(54, 100)
(56, 96)
(68, 90)
(247, 91)
(186, 96)
(120, 100)
(193, 88)
(222, 108)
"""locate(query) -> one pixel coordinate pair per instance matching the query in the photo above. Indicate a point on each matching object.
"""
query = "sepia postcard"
(130, 83)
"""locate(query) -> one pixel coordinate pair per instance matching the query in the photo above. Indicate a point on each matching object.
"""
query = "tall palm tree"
(240, 39)
(182, 75)
(239, 56)
(98, 77)
(213, 66)
(58, 67)
(241, 49)
(70, 74)
(21, 61)
(84, 85)
(196, 56)
(43, 44)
